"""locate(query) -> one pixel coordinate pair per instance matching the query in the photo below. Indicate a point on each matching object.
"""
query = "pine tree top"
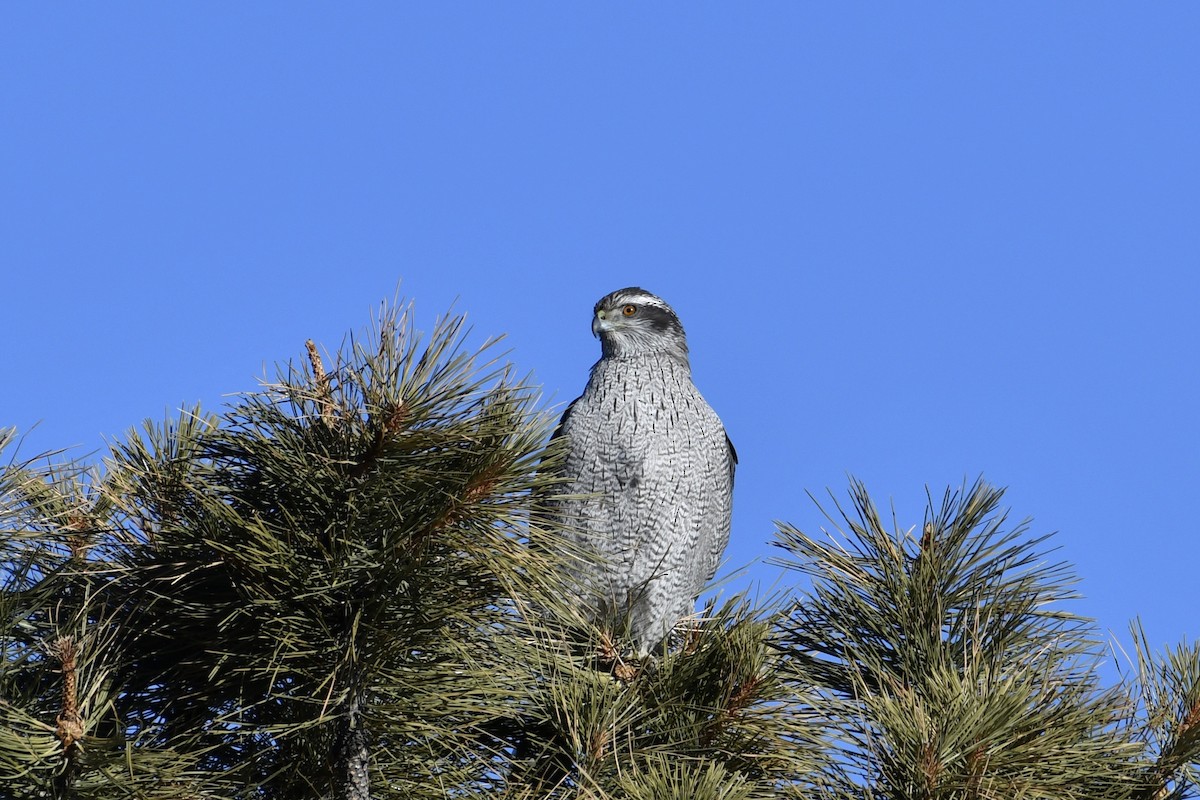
(345, 585)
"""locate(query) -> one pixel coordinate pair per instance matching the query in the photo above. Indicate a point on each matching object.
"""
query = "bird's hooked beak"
(600, 323)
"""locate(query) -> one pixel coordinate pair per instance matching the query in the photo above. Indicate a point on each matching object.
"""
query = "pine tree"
(310, 596)
(346, 586)
(948, 667)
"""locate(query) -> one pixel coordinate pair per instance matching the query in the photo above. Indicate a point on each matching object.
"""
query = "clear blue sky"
(915, 243)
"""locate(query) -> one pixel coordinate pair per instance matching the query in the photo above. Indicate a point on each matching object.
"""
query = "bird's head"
(632, 322)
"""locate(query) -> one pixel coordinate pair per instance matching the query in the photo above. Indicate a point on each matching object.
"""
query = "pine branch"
(1166, 691)
(713, 717)
(948, 664)
(332, 562)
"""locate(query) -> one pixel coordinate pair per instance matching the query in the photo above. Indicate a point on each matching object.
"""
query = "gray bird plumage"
(648, 469)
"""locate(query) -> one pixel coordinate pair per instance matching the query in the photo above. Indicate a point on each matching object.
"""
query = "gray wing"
(566, 415)
(721, 515)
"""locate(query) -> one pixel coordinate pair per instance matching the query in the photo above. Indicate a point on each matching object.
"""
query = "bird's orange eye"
(629, 310)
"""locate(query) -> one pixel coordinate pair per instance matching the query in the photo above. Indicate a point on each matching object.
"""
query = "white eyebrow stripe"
(645, 299)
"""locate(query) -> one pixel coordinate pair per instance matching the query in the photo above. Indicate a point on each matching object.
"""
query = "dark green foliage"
(948, 668)
(281, 600)
(1167, 690)
(345, 586)
(711, 719)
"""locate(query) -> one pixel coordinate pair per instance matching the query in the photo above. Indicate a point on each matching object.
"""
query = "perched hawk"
(650, 471)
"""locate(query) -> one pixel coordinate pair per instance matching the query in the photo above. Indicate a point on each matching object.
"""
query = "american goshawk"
(648, 472)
